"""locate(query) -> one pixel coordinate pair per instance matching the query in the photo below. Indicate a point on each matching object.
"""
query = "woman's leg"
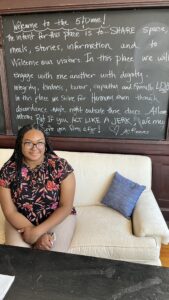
(13, 237)
(63, 234)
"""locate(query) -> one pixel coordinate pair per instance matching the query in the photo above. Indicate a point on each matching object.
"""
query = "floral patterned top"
(36, 193)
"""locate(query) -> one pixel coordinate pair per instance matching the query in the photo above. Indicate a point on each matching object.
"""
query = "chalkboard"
(102, 74)
(2, 121)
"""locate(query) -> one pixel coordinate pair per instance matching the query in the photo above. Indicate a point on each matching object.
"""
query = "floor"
(164, 255)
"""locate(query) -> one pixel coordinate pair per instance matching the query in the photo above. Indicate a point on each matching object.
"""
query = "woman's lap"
(63, 235)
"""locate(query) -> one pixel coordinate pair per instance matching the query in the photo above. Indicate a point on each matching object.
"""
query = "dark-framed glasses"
(31, 145)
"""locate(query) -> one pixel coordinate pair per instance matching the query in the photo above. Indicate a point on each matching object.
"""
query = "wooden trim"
(0, 32)
(5, 97)
(111, 146)
(24, 6)
(142, 147)
(164, 255)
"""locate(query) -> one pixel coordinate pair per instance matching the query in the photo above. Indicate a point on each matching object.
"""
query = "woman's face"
(33, 146)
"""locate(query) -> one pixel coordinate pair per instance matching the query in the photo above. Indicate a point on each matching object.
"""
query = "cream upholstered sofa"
(102, 231)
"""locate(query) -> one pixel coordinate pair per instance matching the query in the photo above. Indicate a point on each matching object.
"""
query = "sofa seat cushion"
(104, 232)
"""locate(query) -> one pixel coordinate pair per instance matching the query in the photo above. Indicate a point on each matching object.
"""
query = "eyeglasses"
(30, 145)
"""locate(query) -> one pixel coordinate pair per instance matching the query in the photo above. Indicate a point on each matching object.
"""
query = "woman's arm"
(16, 219)
(66, 203)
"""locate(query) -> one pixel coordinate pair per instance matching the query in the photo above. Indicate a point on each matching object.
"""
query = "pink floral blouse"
(36, 193)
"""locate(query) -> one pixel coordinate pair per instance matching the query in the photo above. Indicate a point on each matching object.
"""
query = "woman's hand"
(29, 234)
(45, 242)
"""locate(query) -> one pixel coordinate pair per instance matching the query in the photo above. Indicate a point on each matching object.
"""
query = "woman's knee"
(64, 234)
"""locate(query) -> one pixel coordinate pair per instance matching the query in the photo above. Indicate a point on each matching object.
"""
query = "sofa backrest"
(94, 172)
(5, 154)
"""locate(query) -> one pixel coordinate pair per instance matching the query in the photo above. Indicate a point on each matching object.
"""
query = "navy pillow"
(123, 195)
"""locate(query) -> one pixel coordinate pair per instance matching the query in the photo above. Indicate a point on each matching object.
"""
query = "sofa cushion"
(5, 154)
(94, 171)
(104, 232)
(123, 194)
(148, 219)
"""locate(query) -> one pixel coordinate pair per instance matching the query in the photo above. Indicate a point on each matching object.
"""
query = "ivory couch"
(102, 231)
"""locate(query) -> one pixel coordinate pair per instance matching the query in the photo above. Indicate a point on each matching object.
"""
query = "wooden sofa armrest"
(148, 219)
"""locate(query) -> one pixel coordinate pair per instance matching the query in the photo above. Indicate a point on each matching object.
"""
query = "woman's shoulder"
(59, 167)
(53, 159)
(57, 162)
(7, 173)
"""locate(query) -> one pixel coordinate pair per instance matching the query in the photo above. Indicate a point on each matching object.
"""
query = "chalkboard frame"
(24, 6)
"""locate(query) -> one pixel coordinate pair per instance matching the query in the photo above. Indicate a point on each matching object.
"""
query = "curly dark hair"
(17, 155)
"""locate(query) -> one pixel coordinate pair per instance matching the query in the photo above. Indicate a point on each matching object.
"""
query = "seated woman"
(36, 194)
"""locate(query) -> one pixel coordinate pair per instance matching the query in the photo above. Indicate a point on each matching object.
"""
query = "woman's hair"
(17, 155)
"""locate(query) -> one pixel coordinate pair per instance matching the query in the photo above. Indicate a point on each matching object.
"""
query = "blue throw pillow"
(123, 195)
